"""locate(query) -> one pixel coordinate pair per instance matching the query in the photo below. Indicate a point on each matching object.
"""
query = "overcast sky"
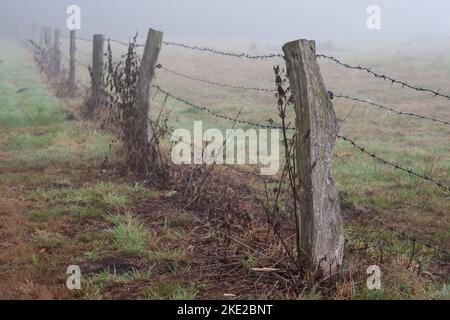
(342, 21)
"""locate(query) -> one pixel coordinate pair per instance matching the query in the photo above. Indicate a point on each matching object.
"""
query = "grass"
(51, 166)
(170, 291)
(129, 235)
(47, 215)
(48, 240)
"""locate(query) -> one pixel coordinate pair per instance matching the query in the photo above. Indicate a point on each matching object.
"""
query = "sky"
(339, 21)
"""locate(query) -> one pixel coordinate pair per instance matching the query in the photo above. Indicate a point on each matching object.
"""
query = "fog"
(418, 22)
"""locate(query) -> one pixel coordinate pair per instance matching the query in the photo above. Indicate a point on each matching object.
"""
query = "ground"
(62, 204)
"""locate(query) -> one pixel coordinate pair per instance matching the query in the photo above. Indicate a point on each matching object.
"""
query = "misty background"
(404, 22)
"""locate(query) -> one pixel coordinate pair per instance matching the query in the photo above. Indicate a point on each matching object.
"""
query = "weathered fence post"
(97, 73)
(321, 228)
(146, 74)
(72, 64)
(56, 57)
(48, 39)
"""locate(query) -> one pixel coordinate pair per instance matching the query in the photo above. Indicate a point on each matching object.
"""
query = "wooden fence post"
(97, 73)
(146, 74)
(48, 39)
(56, 57)
(321, 229)
(72, 64)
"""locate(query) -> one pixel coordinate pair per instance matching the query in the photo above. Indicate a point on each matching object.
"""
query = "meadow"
(62, 204)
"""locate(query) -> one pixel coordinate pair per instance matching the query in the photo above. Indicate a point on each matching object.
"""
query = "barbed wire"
(248, 56)
(341, 137)
(78, 38)
(213, 113)
(392, 229)
(224, 53)
(76, 61)
(225, 85)
(394, 165)
(410, 237)
(403, 84)
(445, 122)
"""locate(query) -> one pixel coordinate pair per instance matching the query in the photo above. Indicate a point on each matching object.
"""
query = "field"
(62, 204)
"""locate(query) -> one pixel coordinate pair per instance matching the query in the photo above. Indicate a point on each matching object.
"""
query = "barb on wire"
(224, 53)
(225, 85)
(403, 84)
(410, 114)
(394, 165)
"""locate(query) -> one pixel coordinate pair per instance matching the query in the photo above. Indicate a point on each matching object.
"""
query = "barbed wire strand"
(214, 83)
(444, 122)
(403, 84)
(394, 165)
(243, 55)
(213, 113)
(226, 85)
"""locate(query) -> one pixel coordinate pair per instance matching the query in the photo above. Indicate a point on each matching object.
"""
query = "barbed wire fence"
(42, 55)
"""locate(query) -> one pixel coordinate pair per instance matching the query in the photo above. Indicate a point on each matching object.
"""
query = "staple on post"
(321, 234)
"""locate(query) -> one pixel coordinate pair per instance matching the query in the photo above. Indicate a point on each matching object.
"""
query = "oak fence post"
(321, 233)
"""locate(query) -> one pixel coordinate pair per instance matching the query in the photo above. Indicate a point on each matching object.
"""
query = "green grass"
(109, 195)
(129, 235)
(47, 215)
(170, 291)
(93, 285)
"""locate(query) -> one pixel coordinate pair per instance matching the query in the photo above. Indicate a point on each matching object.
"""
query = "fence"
(320, 229)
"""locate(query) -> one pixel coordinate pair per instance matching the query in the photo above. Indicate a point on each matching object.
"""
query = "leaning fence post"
(56, 63)
(97, 73)
(146, 74)
(321, 229)
(72, 64)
